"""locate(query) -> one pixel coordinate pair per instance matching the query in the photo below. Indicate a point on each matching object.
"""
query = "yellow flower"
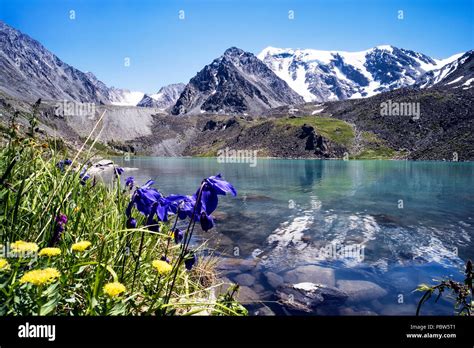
(40, 276)
(114, 289)
(162, 267)
(4, 265)
(22, 247)
(50, 252)
(81, 246)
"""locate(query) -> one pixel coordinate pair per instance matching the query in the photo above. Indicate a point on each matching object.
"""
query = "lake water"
(395, 223)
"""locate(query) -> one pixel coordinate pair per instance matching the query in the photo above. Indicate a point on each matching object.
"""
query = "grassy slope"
(335, 130)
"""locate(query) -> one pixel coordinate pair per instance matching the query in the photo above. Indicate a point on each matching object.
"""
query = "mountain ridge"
(336, 75)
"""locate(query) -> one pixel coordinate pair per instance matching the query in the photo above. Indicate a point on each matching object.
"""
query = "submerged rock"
(307, 297)
(245, 295)
(245, 279)
(231, 264)
(264, 311)
(361, 290)
(311, 273)
(274, 280)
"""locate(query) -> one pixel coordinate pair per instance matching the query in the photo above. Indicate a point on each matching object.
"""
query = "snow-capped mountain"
(458, 73)
(236, 82)
(336, 75)
(164, 98)
(124, 97)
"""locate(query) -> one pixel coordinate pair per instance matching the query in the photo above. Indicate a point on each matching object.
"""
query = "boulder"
(312, 274)
(235, 263)
(103, 163)
(307, 297)
(273, 279)
(361, 290)
(246, 295)
(264, 311)
(245, 279)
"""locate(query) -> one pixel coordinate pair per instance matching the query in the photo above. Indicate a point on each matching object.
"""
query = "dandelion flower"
(50, 252)
(162, 267)
(40, 276)
(114, 289)
(4, 265)
(81, 246)
(21, 246)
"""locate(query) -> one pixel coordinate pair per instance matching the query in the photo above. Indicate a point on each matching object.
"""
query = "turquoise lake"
(404, 222)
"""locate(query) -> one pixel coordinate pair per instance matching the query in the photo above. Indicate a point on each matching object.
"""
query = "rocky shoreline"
(302, 290)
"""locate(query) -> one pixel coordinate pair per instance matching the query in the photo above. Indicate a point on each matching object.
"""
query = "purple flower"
(143, 199)
(61, 220)
(84, 176)
(190, 260)
(164, 258)
(129, 182)
(207, 222)
(182, 205)
(62, 163)
(118, 171)
(131, 223)
(178, 235)
(214, 186)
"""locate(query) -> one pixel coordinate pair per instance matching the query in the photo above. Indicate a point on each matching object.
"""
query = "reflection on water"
(413, 221)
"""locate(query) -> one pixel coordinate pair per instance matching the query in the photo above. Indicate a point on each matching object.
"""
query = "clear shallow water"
(413, 221)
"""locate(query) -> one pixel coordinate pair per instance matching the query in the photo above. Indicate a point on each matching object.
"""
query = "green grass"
(333, 129)
(371, 138)
(34, 192)
(379, 153)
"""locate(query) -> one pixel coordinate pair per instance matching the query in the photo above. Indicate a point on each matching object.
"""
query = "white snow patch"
(129, 98)
(455, 80)
(468, 82)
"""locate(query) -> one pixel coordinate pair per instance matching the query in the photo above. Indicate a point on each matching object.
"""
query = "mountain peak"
(237, 82)
(334, 75)
(234, 51)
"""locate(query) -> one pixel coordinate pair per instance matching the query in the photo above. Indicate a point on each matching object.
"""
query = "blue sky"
(164, 49)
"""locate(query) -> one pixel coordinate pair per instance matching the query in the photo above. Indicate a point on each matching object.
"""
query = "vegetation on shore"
(73, 245)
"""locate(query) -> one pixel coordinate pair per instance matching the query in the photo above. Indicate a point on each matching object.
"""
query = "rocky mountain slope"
(236, 82)
(29, 71)
(457, 74)
(335, 75)
(165, 98)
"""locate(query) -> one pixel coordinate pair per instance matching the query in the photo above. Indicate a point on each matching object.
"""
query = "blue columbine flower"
(143, 199)
(190, 260)
(62, 163)
(118, 171)
(182, 205)
(214, 186)
(150, 221)
(129, 182)
(207, 222)
(84, 176)
(178, 235)
(131, 223)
